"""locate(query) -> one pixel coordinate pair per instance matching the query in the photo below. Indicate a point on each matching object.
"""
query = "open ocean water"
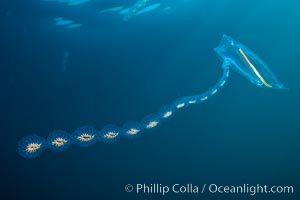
(106, 70)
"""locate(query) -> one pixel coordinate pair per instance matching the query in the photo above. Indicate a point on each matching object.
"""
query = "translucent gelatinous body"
(132, 129)
(151, 122)
(167, 112)
(59, 140)
(110, 134)
(31, 146)
(247, 63)
(85, 136)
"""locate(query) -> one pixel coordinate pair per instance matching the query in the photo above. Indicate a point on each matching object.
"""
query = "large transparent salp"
(247, 63)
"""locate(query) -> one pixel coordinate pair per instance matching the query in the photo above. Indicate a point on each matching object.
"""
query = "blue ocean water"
(108, 70)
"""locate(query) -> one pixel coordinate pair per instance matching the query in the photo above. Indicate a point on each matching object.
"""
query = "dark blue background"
(120, 71)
